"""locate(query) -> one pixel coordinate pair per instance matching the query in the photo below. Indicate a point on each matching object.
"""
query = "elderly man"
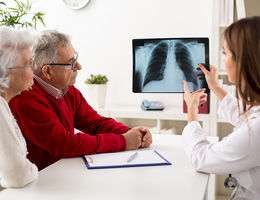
(48, 114)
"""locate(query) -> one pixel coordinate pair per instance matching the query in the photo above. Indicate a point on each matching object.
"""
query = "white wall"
(102, 33)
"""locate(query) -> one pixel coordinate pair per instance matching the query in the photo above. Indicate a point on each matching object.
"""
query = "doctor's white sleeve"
(237, 152)
(228, 109)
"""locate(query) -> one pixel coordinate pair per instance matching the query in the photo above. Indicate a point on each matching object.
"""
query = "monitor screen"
(160, 65)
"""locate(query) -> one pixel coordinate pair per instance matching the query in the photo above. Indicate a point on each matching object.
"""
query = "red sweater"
(48, 126)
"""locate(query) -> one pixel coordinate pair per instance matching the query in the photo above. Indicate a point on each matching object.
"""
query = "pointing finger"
(185, 87)
(199, 91)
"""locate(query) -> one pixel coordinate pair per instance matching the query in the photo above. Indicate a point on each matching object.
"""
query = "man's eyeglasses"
(73, 64)
(31, 66)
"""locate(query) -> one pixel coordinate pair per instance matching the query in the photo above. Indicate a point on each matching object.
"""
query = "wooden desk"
(69, 179)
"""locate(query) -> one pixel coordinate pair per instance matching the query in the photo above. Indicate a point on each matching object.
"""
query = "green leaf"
(29, 24)
(40, 14)
(42, 22)
(13, 19)
(23, 5)
(19, 5)
(15, 16)
(14, 9)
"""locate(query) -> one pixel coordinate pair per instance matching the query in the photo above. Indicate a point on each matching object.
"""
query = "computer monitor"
(161, 64)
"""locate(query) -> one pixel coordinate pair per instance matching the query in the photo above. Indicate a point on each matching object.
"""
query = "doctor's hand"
(211, 76)
(212, 80)
(194, 99)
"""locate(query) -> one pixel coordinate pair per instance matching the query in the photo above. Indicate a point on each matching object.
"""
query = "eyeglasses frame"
(31, 66)
(73, 65)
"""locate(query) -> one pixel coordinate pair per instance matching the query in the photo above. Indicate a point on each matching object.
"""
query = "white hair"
(11, 42)
(45, 49)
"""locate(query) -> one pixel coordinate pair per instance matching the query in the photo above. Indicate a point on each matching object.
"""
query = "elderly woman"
(16, 75)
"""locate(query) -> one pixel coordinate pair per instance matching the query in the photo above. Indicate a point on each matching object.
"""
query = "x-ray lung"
(161, 65)
(157, 62)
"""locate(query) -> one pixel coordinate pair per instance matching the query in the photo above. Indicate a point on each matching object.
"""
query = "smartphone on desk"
(152, 105)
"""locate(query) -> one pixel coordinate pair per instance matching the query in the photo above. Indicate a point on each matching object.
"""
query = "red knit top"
(48, 126)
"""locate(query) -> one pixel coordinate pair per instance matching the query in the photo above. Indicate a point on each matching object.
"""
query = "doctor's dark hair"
(243, 40)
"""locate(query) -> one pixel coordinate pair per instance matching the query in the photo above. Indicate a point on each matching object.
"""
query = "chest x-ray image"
(161, 65)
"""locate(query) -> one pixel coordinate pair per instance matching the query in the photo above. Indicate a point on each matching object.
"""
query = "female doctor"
(238, 153)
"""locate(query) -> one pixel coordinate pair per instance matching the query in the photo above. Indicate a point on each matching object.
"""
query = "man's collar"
(51, 90)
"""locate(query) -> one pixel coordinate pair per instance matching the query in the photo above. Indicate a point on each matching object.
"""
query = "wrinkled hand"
(147, 137)
(137, 137)
(194, 99)
(133, 138)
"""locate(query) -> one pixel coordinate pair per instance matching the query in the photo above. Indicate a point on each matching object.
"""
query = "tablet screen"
(160, 65)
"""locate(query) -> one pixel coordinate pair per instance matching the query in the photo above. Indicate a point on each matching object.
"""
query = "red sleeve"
(40, 122)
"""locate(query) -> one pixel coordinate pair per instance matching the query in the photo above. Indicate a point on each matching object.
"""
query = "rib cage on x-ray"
(156, 65)
(155, 58)
(185, 62)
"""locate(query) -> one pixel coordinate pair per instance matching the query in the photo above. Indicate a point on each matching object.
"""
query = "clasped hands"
(138, 137)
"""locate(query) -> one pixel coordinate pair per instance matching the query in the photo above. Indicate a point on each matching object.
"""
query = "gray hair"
(45, 49)
(11, 42)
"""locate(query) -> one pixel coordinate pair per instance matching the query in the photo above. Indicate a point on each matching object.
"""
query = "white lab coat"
(238, 153)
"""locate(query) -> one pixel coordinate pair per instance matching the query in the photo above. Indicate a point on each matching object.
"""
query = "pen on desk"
(132, 157)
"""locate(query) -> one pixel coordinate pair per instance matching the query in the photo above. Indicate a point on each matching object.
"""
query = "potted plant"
(20, 15)
(96, 90)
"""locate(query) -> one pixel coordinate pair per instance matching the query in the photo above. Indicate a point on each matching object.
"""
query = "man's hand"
(137, 137)
(133, 138)
(147, 137)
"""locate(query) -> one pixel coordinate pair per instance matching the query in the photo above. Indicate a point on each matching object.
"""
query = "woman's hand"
(193, 100)
(212, 80)
(211, 76)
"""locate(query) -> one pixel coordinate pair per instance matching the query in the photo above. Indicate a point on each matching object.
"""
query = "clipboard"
(121, 159)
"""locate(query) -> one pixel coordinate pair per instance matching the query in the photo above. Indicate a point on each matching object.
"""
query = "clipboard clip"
(89, 159)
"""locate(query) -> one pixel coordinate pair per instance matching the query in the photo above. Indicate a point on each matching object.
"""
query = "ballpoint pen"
(132, 157)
